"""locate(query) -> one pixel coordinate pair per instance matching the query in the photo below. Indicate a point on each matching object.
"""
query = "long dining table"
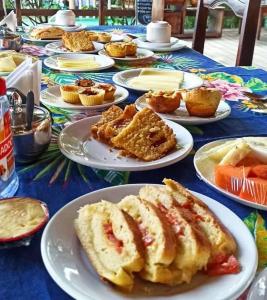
(22, 272)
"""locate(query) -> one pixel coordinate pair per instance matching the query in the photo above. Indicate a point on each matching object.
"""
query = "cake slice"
(193, 247)
(223, 245)
(112, 242)
(107, 116)
(77, 41)
(158, 239)
(147, 136)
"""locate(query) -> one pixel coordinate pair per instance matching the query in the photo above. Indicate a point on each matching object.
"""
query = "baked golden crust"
(47, 33)
(70, 93)
(131, 48)
(202, 102)
(91, 96)
(77, 41)
(163, 101)
(116, 49)
(104, 37)
(147, 136)
(109, 89)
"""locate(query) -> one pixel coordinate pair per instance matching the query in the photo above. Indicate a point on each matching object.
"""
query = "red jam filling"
(147, 239)
(222, 265)
(118, 244)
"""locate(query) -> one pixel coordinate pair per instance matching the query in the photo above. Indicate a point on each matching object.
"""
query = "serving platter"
(76, 143)
(28, 38)
(57, 47)
(52, 97)
(122, 78)
(140, 55)
(104, 62)
(205, 171)
(181, 115)
(67, 264)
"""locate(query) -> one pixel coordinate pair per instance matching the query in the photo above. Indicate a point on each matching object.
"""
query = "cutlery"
(29, 109)
(255, 96)
(258, 290)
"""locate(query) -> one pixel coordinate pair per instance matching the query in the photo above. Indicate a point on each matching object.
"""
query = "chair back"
(237, 6)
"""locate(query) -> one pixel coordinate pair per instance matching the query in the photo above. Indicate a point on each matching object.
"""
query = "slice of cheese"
(153, 79)
(89, 63)
(7, 64)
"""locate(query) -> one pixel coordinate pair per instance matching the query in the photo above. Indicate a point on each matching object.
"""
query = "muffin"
(116, 49)
(163, 101)
(93, 36)
(104, 37)
(92, 96)
(84, 82)
(109, 90)
(202, 102)
(70, 93)
(131, 48)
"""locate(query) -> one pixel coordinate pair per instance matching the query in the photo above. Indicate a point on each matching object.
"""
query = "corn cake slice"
(147, 137)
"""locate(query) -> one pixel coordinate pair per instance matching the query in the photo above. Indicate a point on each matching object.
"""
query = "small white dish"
(104, 62)
(52, 97)
(140, 55)
(205, 172)
(57, 47)
(122, 78)
(68, 265)
(181, 115)
(174, 45)
(76, 143)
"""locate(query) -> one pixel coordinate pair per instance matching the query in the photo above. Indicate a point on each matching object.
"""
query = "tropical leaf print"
(223, 76)
(257, 227)
(256, 84)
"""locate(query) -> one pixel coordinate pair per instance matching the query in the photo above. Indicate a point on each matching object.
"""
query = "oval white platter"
(67, 264)
(174, 45)
(205, 172)
(77, 144)
(28, 38)
(140, 55)
(57, 47)
(191, 81)
(181, 115)
(52, 97)
(70, 28)
(104, 62)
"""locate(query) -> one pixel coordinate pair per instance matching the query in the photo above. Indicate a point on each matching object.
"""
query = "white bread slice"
(158, 238)
(193, 247)
(115, 253)
(222, 242)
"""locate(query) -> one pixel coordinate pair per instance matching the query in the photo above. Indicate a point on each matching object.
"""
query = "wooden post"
(71, 4)
(248, 34)
(18, 12)
(101, 9)
(2, 12)
(200, 27)
(158, 10)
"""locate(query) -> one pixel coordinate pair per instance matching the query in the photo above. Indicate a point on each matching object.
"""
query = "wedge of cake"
(77, 41)
(147, 136)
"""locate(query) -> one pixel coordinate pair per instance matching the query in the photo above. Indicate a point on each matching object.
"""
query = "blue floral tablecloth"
(56, 180)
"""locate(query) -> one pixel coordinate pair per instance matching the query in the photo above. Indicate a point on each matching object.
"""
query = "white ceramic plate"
(67, 264)
(181, 115)
(77, 27)
(57, 47)
(76, 143)
(104, 62)
(140, 55)
(174, 45)
(205, 172)
(114, 37)
(52, 97)
(191, 81)
(28, 38)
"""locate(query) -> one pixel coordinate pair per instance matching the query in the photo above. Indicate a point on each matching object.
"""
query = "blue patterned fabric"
(22, 273)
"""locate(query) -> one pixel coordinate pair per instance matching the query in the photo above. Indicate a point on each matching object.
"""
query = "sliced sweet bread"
(193, 247)
(222, 242)
(107, 116)
(158, 239)
(147, 136)
(112, 242)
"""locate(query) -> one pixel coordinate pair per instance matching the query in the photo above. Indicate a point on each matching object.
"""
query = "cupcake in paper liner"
(70, 93)
(92, 96)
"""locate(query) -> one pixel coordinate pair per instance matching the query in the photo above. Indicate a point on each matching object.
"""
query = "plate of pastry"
(194, 107)
(145, 79)
(174, 45)
(78, 62)
(123, 242)
(76, 27)
(125, 51)
(46, 34)
(85, 94)
(125, 140)
(236, 168)
(62, 47)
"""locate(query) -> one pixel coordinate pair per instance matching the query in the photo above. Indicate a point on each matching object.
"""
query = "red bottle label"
(7, 162)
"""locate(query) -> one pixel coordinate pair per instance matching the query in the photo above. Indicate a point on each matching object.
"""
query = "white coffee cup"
(63, 18)
(158, 32)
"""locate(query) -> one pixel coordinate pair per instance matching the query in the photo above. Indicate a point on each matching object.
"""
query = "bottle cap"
(2, 86)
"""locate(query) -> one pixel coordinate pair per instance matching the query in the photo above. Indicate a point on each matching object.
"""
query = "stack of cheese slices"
(163, 235)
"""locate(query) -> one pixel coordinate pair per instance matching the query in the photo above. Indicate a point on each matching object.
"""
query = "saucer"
(174, 45)
(143, 40)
